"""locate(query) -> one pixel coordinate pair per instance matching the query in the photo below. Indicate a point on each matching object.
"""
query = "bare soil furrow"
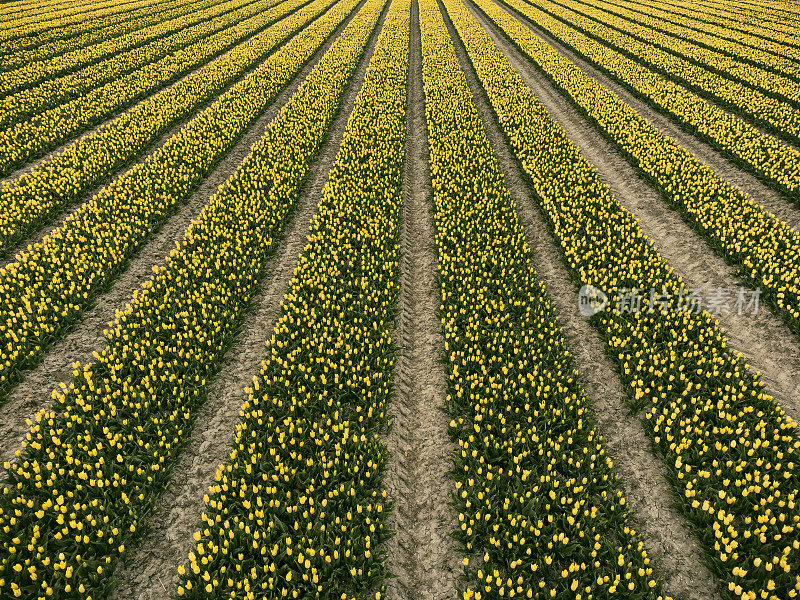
(670, 543)
(33, 393)
(725, 167)
(421, 555)
(766, 343)
(150, 571)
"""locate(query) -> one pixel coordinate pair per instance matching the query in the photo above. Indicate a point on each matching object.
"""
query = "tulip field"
(407, 299)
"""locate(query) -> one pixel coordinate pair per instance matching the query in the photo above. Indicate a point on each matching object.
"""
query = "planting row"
(15, 9)
(39, 12)
(773, 74)
(538, 501)
(299, 510)
(33, 199)
(749, 72)
(32, 138)
(30, 25)
(133, 45)
(767, 249)
(749, 102)
(730, 452)
(96, 462)
(134, 67)
(48, 287)
(141, 18)
(767, 24)
(17, 44)
(768, 158)
(781, 57)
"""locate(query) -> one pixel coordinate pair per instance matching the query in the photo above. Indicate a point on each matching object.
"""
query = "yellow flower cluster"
(46, 130)
(26, 9)
(49, 285)
(766, 248)
(56, 90)
(299, 510)
(757, 106)
(744, 64)
(773, 161)
(93, 465)
(31, 200)
(536, 493)
(756, 21)
(49, 43)
(781, 58)
(648, 30)
(131, 50)
(24, 24)
(30, 11)
(731, 454)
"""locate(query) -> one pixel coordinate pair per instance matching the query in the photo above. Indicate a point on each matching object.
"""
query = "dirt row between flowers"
(422, 555)
(33, 394)
(671, 545)
(150, 572)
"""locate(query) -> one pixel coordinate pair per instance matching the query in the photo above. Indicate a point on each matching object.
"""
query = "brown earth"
(421, 555)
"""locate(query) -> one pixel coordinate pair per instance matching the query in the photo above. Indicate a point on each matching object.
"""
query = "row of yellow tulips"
(539, 504)
(299, 509)
(773, 84)
(142, 18)
(766, 248)
(753, 104)
(15, 9)
(725, 19)
(61, 89)
(53, 34)
(25, 25)
(732, 456)
(757, 15)
(782, 58)
(29, 8)
(774, 162)
(95, 463)
(80, 100)
(136, 46)
(32, 200)
(776, 75)
(48, 287)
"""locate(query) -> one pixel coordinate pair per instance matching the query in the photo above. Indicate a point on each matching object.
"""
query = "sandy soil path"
(421, 555)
